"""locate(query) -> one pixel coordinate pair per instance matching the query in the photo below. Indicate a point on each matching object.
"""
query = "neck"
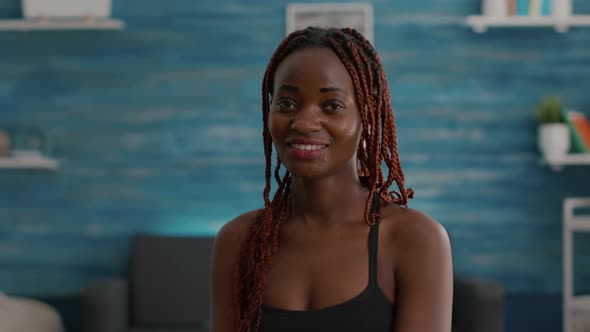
(329, 200)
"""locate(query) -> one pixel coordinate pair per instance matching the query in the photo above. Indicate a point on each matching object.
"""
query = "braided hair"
(378, 145)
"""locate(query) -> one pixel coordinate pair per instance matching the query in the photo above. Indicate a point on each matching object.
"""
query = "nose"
(306, 120)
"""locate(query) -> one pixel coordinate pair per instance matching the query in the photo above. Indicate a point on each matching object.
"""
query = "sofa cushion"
(25, 314)
(156, 329)
(146, 329)
(170, 280)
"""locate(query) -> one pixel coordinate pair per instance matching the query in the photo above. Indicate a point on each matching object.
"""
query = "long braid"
(361, 61)
(378, 144)
(364, 100)
(389, 147)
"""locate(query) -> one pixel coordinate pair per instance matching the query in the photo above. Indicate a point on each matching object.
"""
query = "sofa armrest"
(478, 305)
(104, 306)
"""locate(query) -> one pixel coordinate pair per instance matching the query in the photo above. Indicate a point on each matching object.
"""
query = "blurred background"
(156, 127)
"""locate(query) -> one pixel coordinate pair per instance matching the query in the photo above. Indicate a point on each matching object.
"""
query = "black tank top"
(370, 311)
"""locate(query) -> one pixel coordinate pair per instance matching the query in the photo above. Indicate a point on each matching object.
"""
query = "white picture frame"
(66, 8)
(340, 15)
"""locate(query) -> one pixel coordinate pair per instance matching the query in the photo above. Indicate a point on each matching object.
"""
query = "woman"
(333, 250)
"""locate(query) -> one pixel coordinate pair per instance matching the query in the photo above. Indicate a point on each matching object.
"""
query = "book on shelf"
(529, 7)
(546, 8)
(522, 7)
(512, 7)
(579, 126)
(534, 8)
(583, 127)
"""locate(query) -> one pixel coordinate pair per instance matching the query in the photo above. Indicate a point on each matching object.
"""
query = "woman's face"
(314, 119)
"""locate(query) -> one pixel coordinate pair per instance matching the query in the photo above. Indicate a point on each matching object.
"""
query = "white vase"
(554, 140)
(66, 8)
(561, 8)
(495, 8)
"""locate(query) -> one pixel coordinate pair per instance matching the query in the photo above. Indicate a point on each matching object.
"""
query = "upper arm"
(226, 250)
(424, 276)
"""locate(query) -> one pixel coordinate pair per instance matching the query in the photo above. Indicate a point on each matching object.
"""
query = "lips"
(306, 151)
(306, 140)
(308, 147)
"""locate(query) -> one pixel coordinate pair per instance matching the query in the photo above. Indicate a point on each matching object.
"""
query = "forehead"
(313, 66)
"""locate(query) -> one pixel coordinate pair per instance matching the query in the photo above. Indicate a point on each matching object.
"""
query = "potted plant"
(553, 136)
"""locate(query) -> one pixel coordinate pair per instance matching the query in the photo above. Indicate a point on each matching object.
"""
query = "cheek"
(271, 125)
(351, 129)
(276, 126)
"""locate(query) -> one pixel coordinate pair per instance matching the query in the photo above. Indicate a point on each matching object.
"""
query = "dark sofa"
(168, 291)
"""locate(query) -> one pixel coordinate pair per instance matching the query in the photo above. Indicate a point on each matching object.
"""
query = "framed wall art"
(340, 15)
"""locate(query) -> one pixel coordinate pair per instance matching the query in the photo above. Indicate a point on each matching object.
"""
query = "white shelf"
(574, 306)
(579, 223)
(28, 162)
(570, 159)
(69, 24)
(580, 303)
(480, 23)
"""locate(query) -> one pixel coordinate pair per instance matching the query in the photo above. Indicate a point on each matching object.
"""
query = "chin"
(309, 172)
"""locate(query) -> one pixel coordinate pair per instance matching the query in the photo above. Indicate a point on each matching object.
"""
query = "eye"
(285, 104)
(333, 106)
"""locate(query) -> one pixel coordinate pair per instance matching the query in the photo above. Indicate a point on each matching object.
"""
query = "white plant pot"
(66, 8)
(561, 8)
(495, 8)
(554, 140)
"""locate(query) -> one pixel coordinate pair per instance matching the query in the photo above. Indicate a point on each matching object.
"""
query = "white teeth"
(308, 147)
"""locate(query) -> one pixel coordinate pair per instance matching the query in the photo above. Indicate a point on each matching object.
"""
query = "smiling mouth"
(307, 147)
(306, 151)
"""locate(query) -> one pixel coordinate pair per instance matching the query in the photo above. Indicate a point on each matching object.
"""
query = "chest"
(319, 269)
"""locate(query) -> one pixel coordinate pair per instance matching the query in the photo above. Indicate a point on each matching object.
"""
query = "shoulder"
(423, 269)
(235, 231)
(228, 243)
(226, 249)
(412, 231)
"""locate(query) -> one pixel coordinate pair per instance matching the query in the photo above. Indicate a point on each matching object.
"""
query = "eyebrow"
(291, 88)
(330, 89)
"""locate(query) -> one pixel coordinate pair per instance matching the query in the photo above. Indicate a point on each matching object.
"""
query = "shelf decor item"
(580, 130)
(553, 136)
(28, 140)
(25, 147)
(561, 9)
(341, 15)
(40, 15)
(5, 142)
(66, 9)
(495, 8)
(559, 14)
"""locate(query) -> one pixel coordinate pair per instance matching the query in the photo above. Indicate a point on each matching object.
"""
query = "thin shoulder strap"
(373, 241)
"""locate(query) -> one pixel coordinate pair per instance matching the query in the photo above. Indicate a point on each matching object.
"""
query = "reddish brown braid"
(378, 144)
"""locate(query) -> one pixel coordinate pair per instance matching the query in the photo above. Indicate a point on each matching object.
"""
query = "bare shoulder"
(423, 269)
(229, 239)
(235, 231)
(226, 248)
(409, 228)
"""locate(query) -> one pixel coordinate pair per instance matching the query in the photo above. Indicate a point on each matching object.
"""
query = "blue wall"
(157, 128)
